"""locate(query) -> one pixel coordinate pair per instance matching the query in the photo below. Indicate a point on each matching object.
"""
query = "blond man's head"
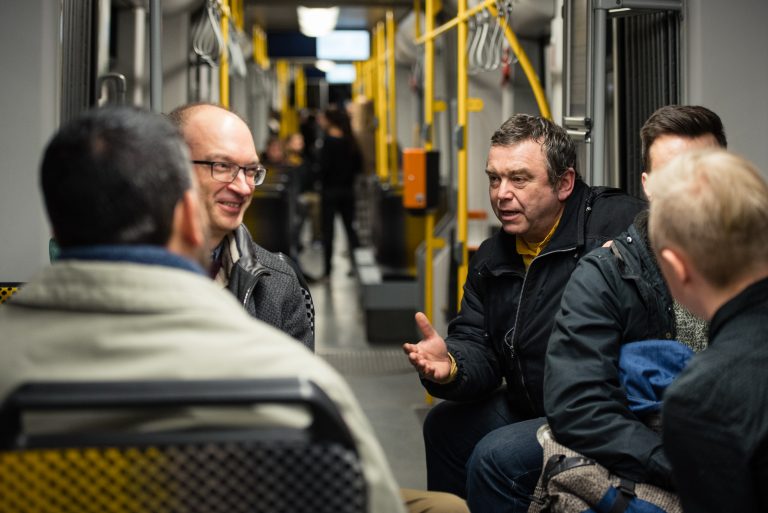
(712, 206)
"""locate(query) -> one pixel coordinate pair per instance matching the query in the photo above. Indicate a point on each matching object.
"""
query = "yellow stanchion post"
(462, 157)
(382, 167)
(392, 99)
(224, 62)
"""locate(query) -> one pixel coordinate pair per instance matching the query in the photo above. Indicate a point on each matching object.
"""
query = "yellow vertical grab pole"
(283, 71)
(224, 64)
(382, 167)
(463, 117)
(429, 115)
(391, 99)
(300, 88)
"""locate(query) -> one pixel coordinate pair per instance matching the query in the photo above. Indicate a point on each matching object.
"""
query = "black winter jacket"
(715, 425)
(271, 289)
(616, 295)
(492, 338)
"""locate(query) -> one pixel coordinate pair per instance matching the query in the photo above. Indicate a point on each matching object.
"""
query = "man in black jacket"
(269, 285)
(708, 228)
(481, 443)
(617, 295)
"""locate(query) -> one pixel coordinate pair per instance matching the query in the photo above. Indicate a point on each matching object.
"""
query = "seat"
(203, 470)
(7, 290)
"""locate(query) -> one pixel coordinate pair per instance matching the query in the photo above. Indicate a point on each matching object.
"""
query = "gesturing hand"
(430, 355)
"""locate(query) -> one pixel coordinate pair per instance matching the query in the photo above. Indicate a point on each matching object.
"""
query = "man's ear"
(644, 178)
(188, 223)
(676, 264)
(565, 184)
(196, 228)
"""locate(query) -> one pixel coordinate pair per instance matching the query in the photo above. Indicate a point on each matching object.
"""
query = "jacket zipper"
(512, 349)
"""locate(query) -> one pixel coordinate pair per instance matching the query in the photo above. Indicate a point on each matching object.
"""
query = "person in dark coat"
(481, 443)
(708, 229)
(340, 163)
(616, 296)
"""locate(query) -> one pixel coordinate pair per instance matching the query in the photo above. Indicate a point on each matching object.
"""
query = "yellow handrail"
(429, 115)
(391, 99)
(525, 63)
(522, 57)
(382, 167)
(462, 157)
(224, 64)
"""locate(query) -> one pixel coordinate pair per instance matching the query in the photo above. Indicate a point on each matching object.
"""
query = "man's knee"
(511, 452)
(422, 501)
(436, 425)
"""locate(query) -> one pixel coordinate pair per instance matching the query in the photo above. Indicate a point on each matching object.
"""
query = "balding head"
(215, 134)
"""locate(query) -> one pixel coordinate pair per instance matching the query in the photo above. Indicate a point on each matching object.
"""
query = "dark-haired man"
(481, 443)
(617, 295)
(128, 298)
(269, 285)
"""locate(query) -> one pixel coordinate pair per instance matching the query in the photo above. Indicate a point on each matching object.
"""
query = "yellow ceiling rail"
(525, 63)
(445, 27)
(517, 49)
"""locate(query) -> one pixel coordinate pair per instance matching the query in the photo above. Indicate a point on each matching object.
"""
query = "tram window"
(340, 74)
(344, 45)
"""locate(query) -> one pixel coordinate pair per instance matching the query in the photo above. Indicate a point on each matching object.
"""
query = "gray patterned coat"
(268, 286)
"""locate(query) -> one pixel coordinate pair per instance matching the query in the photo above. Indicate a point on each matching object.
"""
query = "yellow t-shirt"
(529, 250)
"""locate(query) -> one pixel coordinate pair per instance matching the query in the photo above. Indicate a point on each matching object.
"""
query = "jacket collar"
(137, 254)
(754, 296)
(570, 233)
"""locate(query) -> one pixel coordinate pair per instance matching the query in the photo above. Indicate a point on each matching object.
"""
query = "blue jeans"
(484, 452)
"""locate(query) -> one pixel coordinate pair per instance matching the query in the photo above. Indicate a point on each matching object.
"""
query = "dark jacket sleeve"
(584, 401)
(714, 471)
(300, 321)
(478, 369)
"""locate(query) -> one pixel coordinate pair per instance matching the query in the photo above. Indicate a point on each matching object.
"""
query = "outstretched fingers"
(424, 325)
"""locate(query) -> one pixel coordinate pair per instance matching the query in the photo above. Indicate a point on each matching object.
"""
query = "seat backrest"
(252, 469)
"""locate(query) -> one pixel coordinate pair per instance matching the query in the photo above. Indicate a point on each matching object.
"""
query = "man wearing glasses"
(227, 167)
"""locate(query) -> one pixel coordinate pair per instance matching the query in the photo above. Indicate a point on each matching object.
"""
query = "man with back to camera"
(481, 443)
(129, 300)
(268, 285)
(708, 230)
(617, 295)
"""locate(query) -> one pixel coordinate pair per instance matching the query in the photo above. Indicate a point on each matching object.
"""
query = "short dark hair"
(558, 147)
(114, 176)
(681, 120)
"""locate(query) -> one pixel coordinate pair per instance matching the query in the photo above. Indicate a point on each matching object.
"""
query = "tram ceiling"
(353, 14)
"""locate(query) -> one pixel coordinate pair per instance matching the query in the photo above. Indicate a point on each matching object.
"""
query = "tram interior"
(599, 72)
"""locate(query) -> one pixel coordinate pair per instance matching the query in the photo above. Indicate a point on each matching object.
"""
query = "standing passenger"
(228, 169)
(481, 444)
(708, 229)
(340, 163)
(616, 296)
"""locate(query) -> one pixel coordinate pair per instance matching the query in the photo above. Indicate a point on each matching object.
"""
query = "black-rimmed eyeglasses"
(226, 172)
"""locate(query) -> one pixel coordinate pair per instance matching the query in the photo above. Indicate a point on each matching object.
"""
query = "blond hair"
(714, 206)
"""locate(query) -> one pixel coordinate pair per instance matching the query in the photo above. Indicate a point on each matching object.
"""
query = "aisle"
(380, 375)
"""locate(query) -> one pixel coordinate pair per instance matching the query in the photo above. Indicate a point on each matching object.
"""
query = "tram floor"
(380, 376)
